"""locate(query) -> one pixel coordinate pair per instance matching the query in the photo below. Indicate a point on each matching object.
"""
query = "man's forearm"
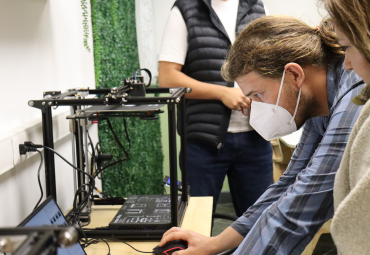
(200, 90)
(227, 240)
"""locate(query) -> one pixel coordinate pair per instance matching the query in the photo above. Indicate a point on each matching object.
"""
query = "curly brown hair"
(271, 42)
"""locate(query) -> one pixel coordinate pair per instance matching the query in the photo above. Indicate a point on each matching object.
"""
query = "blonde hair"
(353, 18)
(271, 42)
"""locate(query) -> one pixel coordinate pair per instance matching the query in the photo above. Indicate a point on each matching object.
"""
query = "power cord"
(127, 157)
(92, 179)
(118, 240)
(127, 136)
(147, 71)
(29, 146)
(38, 179)
(92, 153)
(96, 240)
(117, 139)
(77, 209)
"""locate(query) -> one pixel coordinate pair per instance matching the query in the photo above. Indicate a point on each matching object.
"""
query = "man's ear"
(295, 74)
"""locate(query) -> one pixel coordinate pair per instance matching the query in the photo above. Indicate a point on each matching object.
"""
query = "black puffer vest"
(208, 44)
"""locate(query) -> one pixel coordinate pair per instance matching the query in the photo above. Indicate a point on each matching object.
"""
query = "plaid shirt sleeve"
(292, 210)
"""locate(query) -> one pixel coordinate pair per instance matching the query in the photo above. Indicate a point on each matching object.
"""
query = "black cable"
(98, 150)
(111, 164)
(107, 245)
(127, 136)
(98, 171)
(83, 202)
(92, 153)
(88, 243)
(91, 178)
(95, 241)
(119, 144)
(117, 139)
(98, 145)
(129, 245)
(148, 72)
(83, 232)
(78, 209)
(38, 178)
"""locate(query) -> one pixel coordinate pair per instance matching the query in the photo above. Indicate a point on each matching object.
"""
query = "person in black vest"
(220, 141)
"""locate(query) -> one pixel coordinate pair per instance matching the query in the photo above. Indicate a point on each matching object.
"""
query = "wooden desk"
(198, 217)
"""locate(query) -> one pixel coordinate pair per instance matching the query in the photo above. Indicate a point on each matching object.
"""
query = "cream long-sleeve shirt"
(351, 222)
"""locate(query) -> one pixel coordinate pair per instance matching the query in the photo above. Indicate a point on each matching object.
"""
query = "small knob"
(68, 237)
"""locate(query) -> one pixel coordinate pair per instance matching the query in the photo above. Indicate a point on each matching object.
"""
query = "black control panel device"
(144, 212)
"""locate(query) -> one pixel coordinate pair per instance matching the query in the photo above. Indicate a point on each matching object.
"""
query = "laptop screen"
(49, 213)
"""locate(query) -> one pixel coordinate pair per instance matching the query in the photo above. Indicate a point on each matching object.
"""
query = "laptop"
(49, 213)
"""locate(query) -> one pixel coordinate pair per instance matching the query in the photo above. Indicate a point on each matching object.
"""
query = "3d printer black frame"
(117, 96)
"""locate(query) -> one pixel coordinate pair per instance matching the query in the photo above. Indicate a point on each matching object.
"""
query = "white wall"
(41, 49)
(162, 9)
(146, 39)
(307, 10)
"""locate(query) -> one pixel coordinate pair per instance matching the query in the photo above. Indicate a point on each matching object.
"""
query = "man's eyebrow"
(250, 93)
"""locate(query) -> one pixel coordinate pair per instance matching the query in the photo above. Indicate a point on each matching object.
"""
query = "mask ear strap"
(281, 86)
(296, 107)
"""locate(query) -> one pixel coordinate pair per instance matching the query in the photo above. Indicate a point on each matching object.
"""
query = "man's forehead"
(252, 83)
(248, 78)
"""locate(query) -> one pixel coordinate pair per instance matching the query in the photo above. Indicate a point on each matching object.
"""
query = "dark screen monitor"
(49, 213)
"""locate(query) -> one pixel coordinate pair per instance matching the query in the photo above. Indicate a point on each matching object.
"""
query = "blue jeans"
(246, 158)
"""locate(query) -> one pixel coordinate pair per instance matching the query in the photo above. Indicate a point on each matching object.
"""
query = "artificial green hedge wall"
(116, 57)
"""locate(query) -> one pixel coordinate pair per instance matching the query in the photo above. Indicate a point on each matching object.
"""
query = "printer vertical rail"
(184, 178)
(173, 163)
(47, 131)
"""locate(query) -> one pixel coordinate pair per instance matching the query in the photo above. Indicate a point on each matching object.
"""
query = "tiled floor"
(325, 246)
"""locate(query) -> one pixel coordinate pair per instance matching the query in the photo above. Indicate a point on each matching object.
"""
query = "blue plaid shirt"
(290, 212)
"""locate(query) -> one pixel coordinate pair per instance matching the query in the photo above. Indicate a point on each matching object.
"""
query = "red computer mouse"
(170, 247)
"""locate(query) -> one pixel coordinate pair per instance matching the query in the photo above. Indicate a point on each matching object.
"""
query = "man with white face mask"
(295, 77)
(273, 121)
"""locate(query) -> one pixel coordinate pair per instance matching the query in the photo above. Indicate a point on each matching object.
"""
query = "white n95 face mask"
(273, 121)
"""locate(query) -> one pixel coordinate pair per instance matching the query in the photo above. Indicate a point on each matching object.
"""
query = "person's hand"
(234, 99)
(197, 243)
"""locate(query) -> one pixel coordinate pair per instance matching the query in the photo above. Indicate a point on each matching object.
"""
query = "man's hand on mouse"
(197, 243)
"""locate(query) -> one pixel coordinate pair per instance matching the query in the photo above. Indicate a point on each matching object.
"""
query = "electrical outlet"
(16, 141)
